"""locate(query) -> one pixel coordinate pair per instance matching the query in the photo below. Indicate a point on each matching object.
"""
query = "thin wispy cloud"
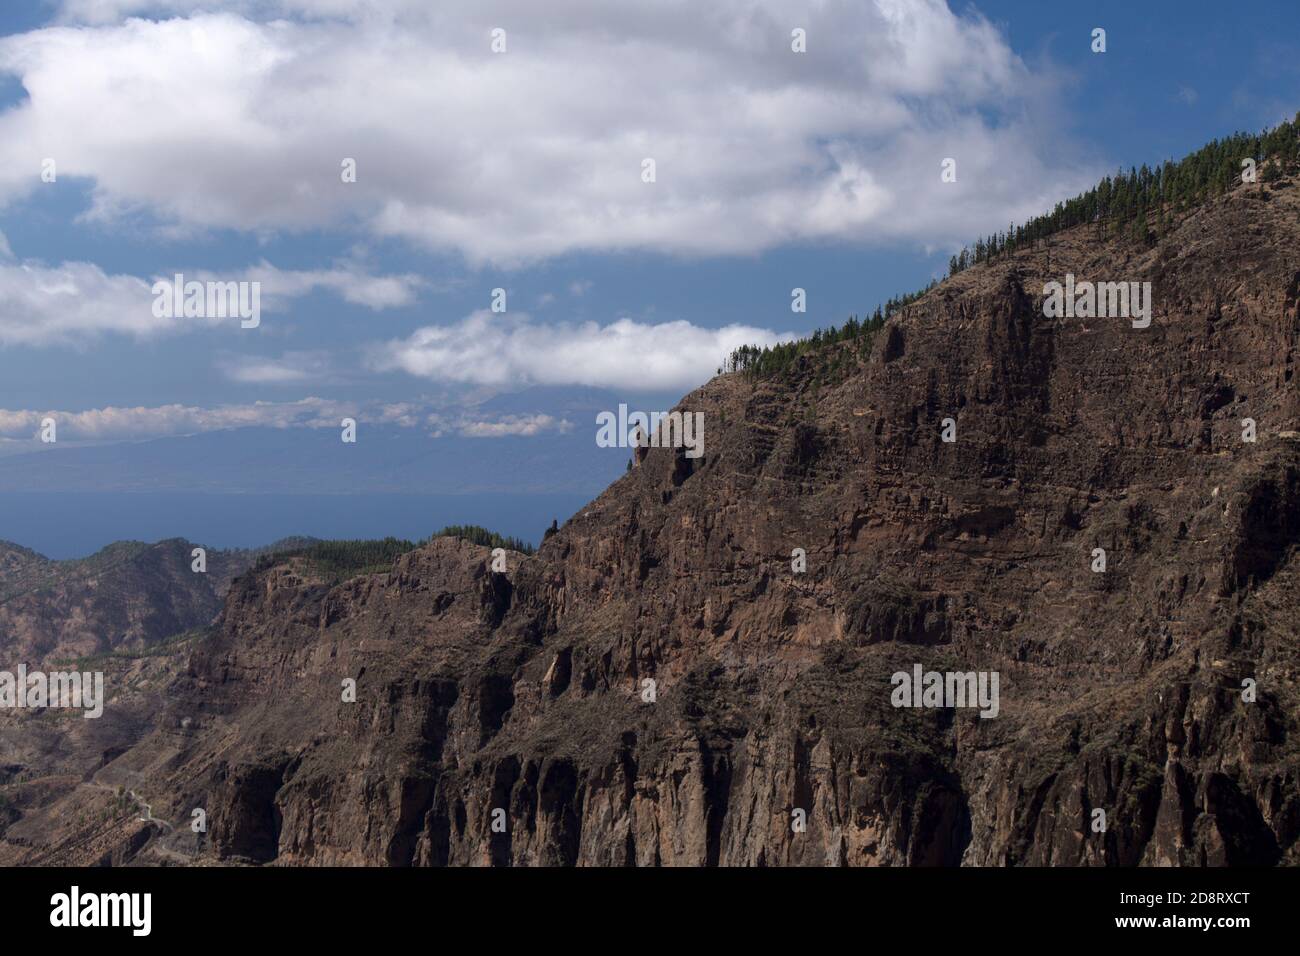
(112, 423)
(515, 425)
(76, 302)
(289, 368)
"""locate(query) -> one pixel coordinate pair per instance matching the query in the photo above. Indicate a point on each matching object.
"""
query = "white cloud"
(405, 414)
(511, 350)
(291, 367)
(236, 120)
(164, 420)
(345, 280)
(76, 301)
(109, 11)
(67, 303)
(515, 425)
(135, 423)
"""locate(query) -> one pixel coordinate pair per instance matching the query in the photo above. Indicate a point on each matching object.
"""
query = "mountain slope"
(128, 596)
(1120, 691)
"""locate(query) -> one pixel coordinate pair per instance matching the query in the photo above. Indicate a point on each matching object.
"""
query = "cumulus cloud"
(40, 305)
(509, 158)
(140, 422)
(512, 350)
(76, 301)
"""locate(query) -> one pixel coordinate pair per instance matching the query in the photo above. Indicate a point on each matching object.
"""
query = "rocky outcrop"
(129, 612)
(128, 597)
(662, 684)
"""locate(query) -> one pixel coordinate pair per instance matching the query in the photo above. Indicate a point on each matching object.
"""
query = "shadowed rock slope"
(1120, 691)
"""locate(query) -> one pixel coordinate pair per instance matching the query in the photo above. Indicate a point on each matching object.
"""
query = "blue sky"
(207, 138)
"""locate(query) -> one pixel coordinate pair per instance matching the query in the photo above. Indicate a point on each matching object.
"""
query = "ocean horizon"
(62, 525)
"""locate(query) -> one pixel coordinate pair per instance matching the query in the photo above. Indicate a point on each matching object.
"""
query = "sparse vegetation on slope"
(1141, 204)
(1142, 201)
(345, 558)
(475, 534)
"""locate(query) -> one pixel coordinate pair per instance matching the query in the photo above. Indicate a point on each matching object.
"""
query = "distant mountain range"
(130, 596)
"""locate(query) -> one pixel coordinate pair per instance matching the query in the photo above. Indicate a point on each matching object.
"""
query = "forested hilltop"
(1140, 205)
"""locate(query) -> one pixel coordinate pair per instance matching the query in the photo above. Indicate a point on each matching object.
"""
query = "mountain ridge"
(770, 737)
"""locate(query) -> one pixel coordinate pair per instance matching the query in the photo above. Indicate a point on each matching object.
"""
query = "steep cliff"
(521, 698)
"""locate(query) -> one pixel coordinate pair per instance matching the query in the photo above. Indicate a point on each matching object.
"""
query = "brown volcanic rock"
(127, 611)
(127, 597)
(1120, 691)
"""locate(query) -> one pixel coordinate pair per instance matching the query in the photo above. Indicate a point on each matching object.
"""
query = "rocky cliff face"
(127, 597)
(126, 611)
(660, 684)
